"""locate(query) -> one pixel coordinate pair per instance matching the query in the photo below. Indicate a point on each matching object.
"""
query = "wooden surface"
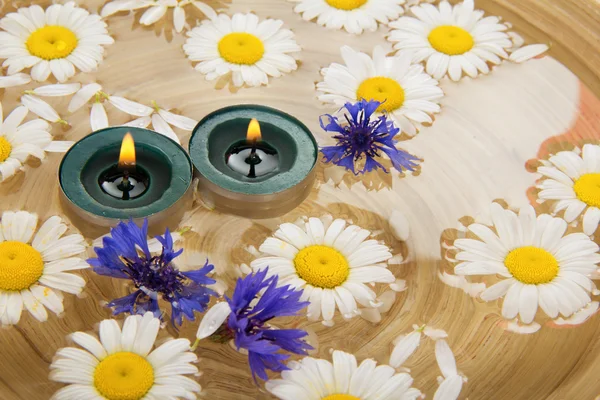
(476, 151)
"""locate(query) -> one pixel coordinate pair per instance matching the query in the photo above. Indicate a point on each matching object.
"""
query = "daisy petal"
(130, 107)
(35, 307)
(405, 348)
(89, 343)
(213, 319)
(14, 80)
(528, 52)
(445, 358)
(84, 95)
(57, 90)
(110, 336)
(40, 108)
(449, 388)
(179, 121)
(98, 117)
(162, 127)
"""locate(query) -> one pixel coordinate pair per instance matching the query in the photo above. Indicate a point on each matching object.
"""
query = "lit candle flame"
(253, 131)
(127, 155)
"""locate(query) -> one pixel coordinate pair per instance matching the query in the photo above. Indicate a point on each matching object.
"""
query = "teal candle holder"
(233, 192)
(167, 166)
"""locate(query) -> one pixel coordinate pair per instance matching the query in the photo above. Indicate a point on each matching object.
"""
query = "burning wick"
(126, 163)
(253, 136)
(124, 181)
(252, 157)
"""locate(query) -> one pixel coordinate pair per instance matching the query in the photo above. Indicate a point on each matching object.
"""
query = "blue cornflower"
(363, 135)
(248, 319)
(125, 255)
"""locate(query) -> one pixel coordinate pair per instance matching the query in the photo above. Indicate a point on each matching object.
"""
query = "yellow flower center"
(384, 90)
(587, 189)
(531, 265)
(124, 376)
(451, 40)
(341, 397)
(241, 48)
(5, 148)
(52, 42)
(20, 266)
(322, 266)
(346, 4)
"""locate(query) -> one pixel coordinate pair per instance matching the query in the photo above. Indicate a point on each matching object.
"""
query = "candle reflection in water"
(252, 157)
(125, 180)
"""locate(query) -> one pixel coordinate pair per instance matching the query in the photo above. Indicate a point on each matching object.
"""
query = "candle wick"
(125, 185)
(253, 158)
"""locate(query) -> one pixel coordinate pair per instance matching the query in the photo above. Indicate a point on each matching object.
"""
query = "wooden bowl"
(478, 150)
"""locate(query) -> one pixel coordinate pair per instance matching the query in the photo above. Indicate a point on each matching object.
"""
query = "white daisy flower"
(158, 9)
(537, 263)
(331, 262)
(452, 39)
(407, 94)
(249, 49)
(344, 379)
(20, 140)
(355, 16)
(34, 264)
(55, 41)
(121, 364)
(571, 182)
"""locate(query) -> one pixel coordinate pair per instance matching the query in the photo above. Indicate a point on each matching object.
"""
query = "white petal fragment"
(14, 80)
(435, 334)
(445, 358)
(179, 121)
(57, 90)
(40, 108)
(98, 117)
(404, 348)
(161, 126)
(213, 319)
(130, 107)
(528, 52)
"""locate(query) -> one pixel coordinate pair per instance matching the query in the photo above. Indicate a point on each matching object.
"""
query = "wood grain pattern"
(475, 152)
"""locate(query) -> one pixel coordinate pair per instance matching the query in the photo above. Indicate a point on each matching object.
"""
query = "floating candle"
(229, 185)
(252, 157)
(152, 180)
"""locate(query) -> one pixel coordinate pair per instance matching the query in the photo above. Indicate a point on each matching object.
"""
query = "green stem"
(185, 229)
